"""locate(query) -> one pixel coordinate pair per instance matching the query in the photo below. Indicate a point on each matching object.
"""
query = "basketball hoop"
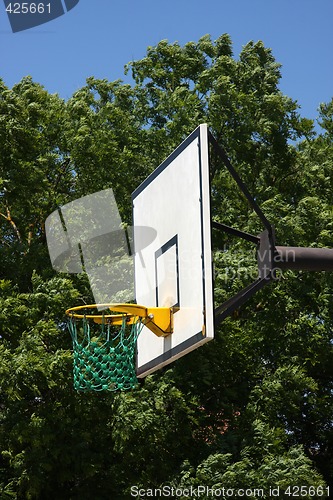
(104, 343)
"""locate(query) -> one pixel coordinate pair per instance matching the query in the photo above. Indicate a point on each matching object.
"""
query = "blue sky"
(98, 37)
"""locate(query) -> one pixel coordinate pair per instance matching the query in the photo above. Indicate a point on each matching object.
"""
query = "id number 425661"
(28, 8)
(307, 491)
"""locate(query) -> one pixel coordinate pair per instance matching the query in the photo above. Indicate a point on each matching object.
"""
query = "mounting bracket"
(270, 257)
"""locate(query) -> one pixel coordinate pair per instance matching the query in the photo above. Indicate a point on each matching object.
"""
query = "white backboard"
(175, 269)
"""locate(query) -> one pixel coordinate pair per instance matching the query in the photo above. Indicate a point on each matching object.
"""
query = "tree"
(36, 174)
(250, 409)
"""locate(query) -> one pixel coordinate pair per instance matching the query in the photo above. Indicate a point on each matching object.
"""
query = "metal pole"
(303, 259)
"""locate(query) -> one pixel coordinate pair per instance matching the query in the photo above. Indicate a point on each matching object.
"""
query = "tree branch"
(8, 217)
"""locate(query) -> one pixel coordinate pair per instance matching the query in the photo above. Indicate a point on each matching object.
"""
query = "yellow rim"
(158, 319)
(131, 310)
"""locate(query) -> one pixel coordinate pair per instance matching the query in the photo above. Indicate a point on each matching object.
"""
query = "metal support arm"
(236, 232)
(229, 306)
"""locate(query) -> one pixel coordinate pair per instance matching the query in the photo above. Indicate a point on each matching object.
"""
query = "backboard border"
(194, 135)
(164, 248)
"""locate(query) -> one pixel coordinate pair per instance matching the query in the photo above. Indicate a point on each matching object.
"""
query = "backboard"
(175, 269)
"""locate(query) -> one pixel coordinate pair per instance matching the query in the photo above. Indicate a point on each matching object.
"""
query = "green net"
(104, 355)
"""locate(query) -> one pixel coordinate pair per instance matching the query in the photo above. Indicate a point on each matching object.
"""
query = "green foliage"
(218, 472)
(253, 409)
